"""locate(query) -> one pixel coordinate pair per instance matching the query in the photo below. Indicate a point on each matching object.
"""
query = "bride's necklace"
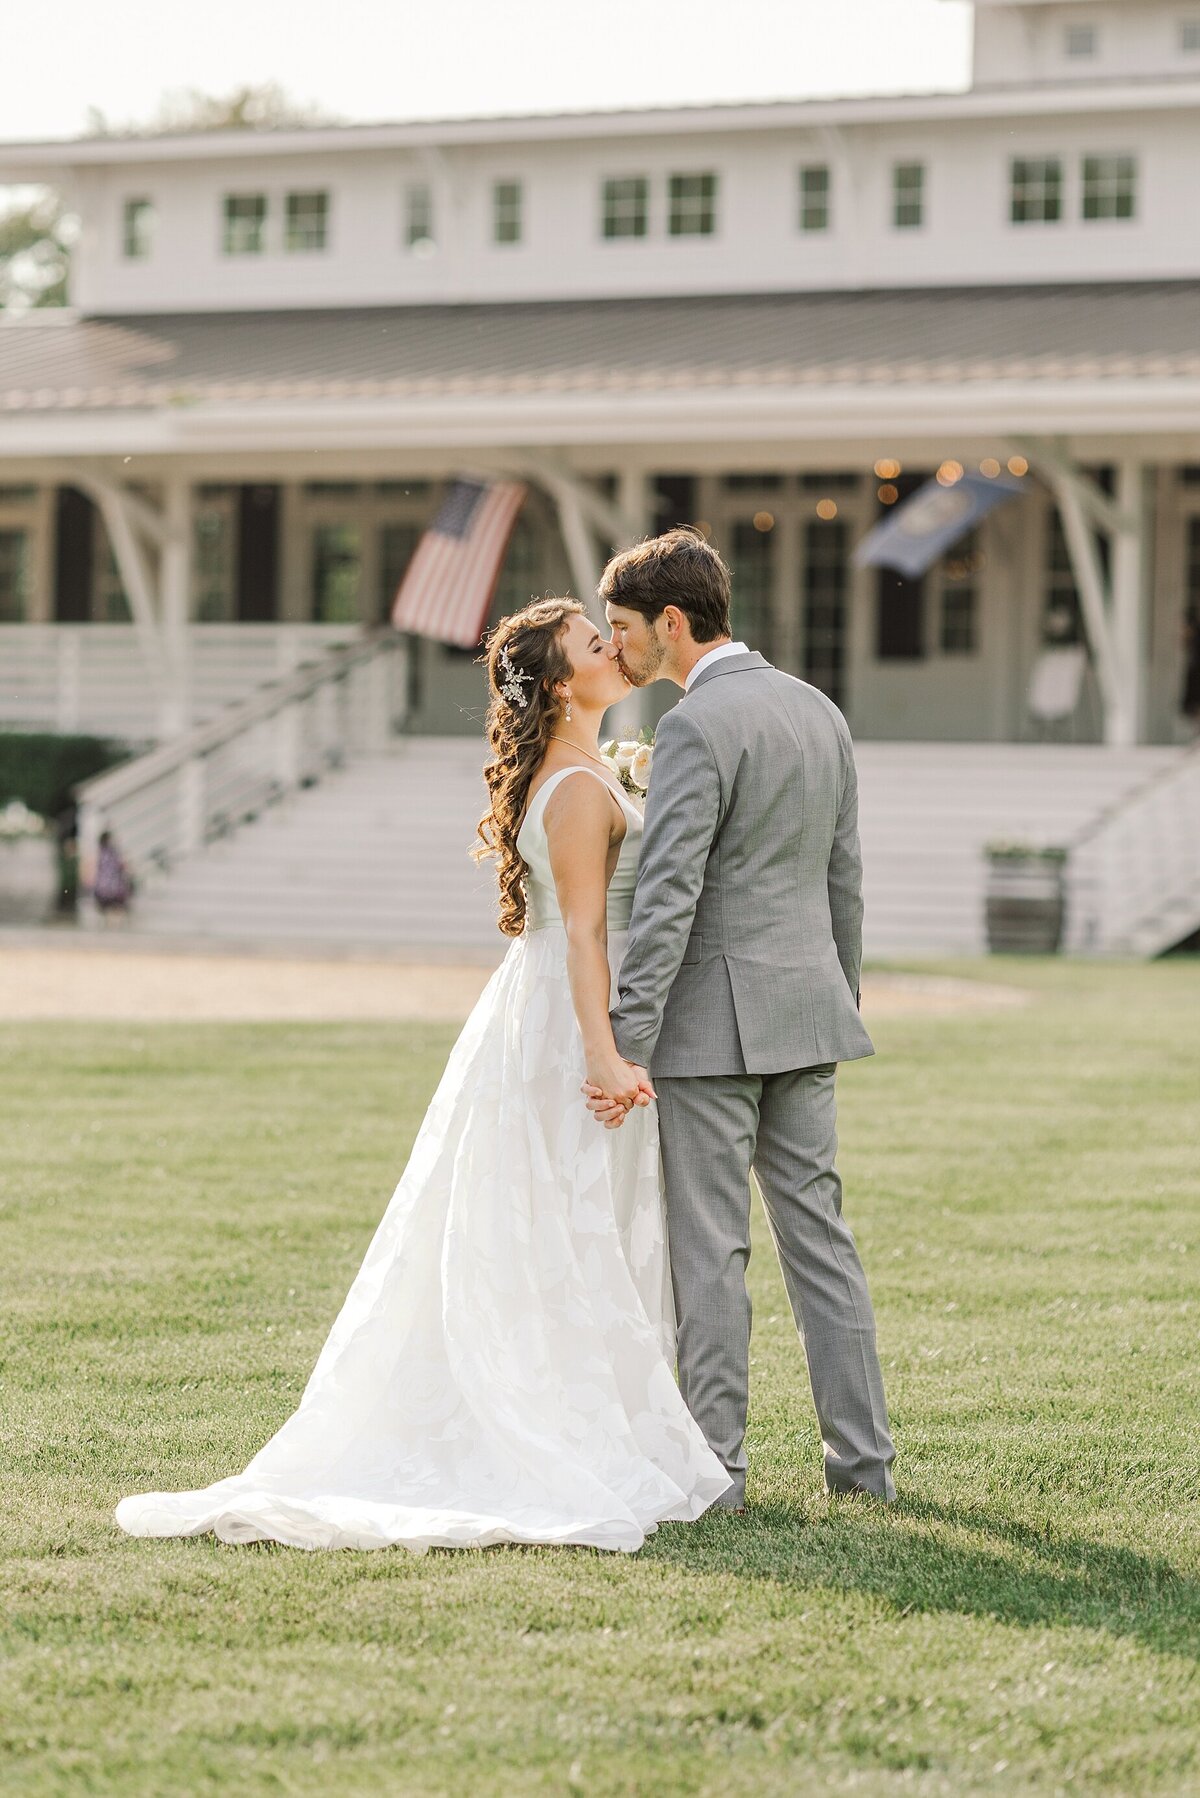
(580, 748)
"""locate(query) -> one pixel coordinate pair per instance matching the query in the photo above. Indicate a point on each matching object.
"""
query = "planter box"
(1025, 904)
(28, 879)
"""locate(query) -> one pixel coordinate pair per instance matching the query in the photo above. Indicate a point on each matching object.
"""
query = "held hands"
(613, 1088)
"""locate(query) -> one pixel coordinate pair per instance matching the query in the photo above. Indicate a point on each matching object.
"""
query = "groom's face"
(639, 648)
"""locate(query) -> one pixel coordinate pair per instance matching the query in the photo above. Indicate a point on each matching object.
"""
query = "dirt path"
(143, 985)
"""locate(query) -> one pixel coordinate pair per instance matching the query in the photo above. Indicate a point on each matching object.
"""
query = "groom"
(739, 990)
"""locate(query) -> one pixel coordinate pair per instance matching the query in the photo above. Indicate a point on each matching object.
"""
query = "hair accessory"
(511, 687)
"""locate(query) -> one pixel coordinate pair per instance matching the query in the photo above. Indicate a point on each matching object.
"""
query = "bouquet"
(631, 759)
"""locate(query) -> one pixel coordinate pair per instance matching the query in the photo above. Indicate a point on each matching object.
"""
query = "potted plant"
(28, 865)
(1025, 898)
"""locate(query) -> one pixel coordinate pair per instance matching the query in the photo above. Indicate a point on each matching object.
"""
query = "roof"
(944, 337)
(42, 161)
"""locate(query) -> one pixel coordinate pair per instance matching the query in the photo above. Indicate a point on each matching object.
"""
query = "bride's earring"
(568, 714)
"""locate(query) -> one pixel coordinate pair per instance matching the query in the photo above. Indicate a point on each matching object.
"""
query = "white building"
(771, 318)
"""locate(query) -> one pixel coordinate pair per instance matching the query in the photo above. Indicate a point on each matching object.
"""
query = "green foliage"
(41, 769)
(252, 106)
(181, 1211)
(35, 241)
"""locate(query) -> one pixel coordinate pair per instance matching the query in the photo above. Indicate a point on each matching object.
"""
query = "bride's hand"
(612, 1108)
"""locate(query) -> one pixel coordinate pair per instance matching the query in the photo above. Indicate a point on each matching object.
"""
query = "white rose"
(625, 754)
(639, 768)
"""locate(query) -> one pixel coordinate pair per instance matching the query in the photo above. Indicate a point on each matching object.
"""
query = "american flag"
(448, 586)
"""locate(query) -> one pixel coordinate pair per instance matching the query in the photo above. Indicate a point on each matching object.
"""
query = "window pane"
(506, 212)
(212, 551)
(336, 570)
(14, 577)
(1109, 187)
(397, 543)
(1081, 40)
(625, 207)
(693, 205)
(1036, 191)
(418, 215)
(958, 631)
(1189, 36)
(245, 224)
(307, 221)
(826, 580)
(137, 229)
(751, 563)
(908, 195)
(814, 197)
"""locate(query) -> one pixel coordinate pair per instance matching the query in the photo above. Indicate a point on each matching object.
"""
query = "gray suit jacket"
(746, 935)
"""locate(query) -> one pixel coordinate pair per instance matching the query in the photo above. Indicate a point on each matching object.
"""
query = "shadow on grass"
(922, 1556)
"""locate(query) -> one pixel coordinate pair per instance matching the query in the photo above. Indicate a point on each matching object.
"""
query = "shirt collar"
(714, 655)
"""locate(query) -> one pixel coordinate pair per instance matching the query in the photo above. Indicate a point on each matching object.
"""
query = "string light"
(827, 509)
(949, 473)
(889, 494)
(705, 529)
(764, 521)
(887, 468)
(990, 467)
(1018, 465)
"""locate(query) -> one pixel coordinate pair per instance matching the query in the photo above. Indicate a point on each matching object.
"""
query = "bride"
(502, 1368)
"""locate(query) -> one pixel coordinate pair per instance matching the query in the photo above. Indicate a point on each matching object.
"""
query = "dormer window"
(137, 229)
(692, 205)
(418, 219)
(1189, 36)
(307, 222)
(245, 224)
(1081, 40)
(507, 212)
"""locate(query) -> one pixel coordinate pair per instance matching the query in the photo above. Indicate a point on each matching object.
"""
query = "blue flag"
(924, 526)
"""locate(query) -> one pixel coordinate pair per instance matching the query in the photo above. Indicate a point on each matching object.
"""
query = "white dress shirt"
(714, 655)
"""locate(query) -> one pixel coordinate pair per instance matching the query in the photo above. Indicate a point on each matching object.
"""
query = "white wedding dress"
(501, 1370)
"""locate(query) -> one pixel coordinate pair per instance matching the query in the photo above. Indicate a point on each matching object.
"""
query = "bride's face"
(596, 680)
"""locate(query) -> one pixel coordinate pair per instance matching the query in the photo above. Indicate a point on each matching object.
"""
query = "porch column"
(636, 500)
(1131, 599)
(176, 593)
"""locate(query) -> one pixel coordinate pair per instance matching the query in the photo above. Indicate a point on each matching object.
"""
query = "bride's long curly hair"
(519, 736)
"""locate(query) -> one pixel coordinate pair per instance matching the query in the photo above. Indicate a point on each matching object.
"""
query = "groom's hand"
(610, 1099)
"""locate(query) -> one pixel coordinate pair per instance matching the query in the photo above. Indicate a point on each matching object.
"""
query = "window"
(908, 195)
(336, 572)
(418, 217)
(1189, 36)
(1081, 40)
(625, 207)
(397, 545)
(958, 630)
(506, 212)
(521, 574)
(1109, 187)
(137, 229)
(1036, 191)
(693, 205)
(245, 224)
(213, 542)
(826, 571)
(814, 197)
(14, 576)
(307, 221)
(752, 563)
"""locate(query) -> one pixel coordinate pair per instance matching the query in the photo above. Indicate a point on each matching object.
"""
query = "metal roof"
(1067, 333)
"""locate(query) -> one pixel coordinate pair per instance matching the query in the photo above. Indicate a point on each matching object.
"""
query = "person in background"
(112, 885)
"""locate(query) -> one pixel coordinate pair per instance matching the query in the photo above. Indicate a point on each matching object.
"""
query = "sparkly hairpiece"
(511, 687)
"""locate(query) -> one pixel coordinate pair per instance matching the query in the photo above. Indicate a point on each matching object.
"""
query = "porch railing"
(1134, 873)
(168, 803)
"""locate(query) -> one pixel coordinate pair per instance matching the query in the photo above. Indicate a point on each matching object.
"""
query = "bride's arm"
(579, 834)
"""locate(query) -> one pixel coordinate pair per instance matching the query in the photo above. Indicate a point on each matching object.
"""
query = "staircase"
(375, 855)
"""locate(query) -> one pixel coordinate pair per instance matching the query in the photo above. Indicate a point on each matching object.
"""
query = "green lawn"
(181, 1212)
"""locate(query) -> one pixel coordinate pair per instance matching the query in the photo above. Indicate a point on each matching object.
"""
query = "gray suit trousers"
(713, 1129)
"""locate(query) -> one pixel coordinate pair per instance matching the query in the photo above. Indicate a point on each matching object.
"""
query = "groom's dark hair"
(680, 568)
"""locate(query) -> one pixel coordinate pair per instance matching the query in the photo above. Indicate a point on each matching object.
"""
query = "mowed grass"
(182, 1212)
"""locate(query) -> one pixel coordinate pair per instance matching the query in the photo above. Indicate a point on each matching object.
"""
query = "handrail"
(1134, 872)
(235, 720)
(174, 799)
(1132, 796)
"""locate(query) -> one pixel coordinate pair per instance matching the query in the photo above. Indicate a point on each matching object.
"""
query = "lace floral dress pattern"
(501, 1370)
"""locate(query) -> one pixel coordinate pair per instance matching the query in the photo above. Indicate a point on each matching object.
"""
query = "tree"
(36, 235)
